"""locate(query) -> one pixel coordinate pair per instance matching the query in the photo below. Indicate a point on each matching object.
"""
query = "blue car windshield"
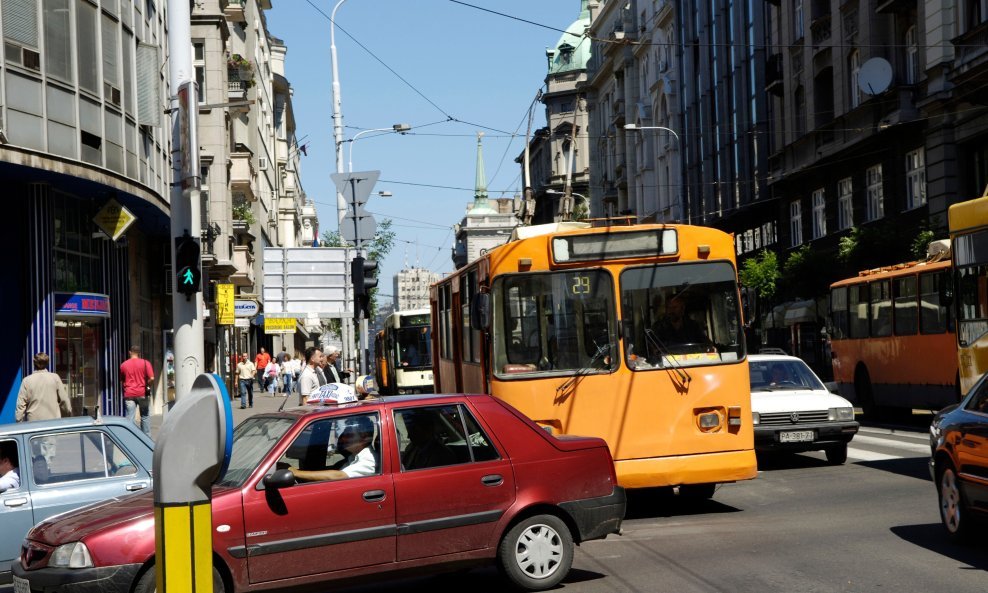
(252, 441)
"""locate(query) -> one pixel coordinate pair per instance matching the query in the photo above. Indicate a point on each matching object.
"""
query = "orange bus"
(631, 333)
(969, 241)
(892, 338)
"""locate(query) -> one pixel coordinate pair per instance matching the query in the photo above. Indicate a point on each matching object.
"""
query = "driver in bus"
(676, 327)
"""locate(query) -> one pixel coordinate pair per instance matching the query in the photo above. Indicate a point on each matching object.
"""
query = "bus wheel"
(863, 394)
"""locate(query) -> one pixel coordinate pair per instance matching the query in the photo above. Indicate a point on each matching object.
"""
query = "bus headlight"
(840, 414)
(74, 555)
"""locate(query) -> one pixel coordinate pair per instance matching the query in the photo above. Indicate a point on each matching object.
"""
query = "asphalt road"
(800, 526)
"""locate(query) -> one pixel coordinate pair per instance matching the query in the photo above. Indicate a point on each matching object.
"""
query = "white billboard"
(302, 281)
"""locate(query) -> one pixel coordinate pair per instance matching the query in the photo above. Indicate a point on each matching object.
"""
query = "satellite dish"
(875, 76)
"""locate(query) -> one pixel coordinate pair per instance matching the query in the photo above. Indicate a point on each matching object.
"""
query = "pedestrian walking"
(330, 372)
(271, 373)
(246, 372)
(308, 381)
(137, 376)
(42, 395)
(287, 375)
(260, 363)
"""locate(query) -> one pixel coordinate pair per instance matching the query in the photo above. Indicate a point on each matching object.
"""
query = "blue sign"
(82, 304)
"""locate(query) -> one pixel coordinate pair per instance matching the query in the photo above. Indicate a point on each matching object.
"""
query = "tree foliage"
(761, 274)
(377, 250)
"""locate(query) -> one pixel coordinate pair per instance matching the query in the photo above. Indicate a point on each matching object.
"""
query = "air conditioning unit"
(112, 94)
(262, 163)
(22, 56)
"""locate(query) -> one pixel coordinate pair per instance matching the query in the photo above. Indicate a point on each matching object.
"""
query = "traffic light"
(188, 278)
(362, 276)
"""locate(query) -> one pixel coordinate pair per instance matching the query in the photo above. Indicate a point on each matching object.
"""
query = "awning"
(801, 312)
(775, 317)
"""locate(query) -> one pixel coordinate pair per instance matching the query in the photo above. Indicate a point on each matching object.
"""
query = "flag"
(304, 148)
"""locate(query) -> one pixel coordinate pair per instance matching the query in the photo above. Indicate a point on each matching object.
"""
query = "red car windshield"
(252, 441)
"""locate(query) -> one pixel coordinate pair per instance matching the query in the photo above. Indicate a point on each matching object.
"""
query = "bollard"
(192, 452)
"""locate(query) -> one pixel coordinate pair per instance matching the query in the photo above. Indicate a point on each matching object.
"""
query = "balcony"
(894, 6)
(970, 66)
(243, 260)
(234, 11)
(820, 29)
(242, 174)
(236, 86)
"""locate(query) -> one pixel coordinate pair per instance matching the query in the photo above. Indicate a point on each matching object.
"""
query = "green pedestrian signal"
(188, 266)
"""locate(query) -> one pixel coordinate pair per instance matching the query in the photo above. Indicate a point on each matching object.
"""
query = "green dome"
(573, 50)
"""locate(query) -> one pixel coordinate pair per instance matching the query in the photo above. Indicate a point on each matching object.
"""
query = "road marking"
(862, 455)
(892, 444)
(911, 435)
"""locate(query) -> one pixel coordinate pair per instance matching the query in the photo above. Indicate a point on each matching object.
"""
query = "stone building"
(411, 288)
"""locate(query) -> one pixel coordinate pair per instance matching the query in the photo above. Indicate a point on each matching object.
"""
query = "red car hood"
(97, 518)
(77, 524)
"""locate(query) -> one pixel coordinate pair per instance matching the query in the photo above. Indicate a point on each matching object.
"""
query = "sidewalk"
(263, 403)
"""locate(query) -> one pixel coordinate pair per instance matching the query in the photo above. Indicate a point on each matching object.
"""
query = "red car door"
(323, 526)
(452, 502)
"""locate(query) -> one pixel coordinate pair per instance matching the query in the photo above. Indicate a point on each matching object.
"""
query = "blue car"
(64, 464)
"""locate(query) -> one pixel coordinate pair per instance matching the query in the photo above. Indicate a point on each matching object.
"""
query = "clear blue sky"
(475, 66)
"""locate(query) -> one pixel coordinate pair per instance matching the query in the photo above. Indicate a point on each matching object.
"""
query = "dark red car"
(380, 487)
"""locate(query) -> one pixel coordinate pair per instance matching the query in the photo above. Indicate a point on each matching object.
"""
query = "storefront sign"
(284, 325)
(224, 304)
(245, 308)
(113, 219)
(241, 322)
(82, 304)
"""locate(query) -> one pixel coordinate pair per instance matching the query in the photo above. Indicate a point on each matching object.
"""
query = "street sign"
(245, 308)
(224, 304)
(274, 325)
(241, 322)
(113, 219)
(299, 281)
(358, 226)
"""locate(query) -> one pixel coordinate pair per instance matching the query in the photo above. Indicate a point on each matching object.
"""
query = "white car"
(793, 411)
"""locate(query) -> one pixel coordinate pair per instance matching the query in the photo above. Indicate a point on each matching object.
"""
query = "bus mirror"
(480, 311)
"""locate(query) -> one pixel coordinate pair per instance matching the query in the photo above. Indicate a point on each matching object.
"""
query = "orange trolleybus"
(892, 338)
(629, 333)
(969, 240)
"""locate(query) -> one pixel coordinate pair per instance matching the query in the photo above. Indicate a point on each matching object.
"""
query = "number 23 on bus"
(632, 334)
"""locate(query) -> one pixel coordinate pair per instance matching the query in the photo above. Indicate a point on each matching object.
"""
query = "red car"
(315, 495)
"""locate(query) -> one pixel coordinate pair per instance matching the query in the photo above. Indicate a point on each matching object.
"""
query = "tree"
(377, 250)
(761, 274)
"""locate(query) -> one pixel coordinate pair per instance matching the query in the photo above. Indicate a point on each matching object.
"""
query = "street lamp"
(337, 109)
(556, 192)
(397, 129)
(679, 142)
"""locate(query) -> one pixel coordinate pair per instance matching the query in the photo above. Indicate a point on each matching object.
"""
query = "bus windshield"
(680, 315)
(554, 322)
(414, 347)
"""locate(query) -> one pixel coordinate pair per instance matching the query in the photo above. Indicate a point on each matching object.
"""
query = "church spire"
(480, 203)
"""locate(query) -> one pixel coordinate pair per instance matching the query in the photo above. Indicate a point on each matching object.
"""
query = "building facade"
(83, 134)
(411, 288)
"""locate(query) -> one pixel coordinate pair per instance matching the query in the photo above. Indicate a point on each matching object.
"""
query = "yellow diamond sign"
(113, 219)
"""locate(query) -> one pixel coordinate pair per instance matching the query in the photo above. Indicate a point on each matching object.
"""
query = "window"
(799, 101)
(58, 46)
(876, 197)
(905, 306)
(838, 313)
(795, 223)
(854, 70)
(445, 304)
(199, 64)
(912, 56)
(20, 25)
(857, 300)
(845, 204)
(975, 12)
(553, 322)
(414, 345)
(915, 179)
(819, 214)
(69, 457)
(349, 444)
(471, 338)
(439, 436)
(881, 308)
(797, 20)
(680, 315)
(86, 56)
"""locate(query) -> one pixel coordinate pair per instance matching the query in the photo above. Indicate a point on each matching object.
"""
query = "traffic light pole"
(186, 309)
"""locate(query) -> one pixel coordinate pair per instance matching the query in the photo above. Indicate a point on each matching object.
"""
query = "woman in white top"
(271, 375)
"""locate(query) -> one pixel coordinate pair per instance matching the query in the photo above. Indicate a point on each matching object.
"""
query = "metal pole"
(346, 325)
(186, 316)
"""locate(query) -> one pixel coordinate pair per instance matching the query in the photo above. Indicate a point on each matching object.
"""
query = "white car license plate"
(796, 436)
(21, 586)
